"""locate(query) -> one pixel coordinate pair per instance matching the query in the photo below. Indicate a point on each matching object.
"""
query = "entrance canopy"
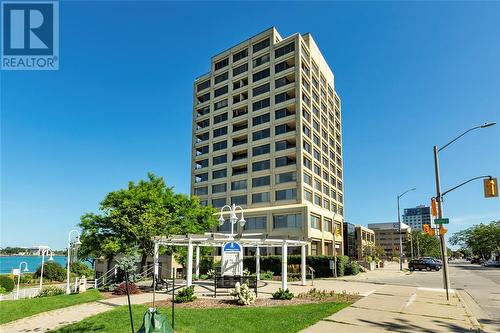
(256, 240)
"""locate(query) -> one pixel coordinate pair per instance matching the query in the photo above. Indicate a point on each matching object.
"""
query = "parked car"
(491, 263)
(433, 259)
(476, 261)
(427, 264)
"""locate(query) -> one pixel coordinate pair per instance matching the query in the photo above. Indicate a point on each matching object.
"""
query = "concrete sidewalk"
(401, 309)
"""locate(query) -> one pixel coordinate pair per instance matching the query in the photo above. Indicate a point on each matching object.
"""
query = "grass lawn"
(17, 309)
(292, 318)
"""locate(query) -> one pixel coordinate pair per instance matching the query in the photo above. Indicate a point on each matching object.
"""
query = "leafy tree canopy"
(423, 245)
(131, 217)
(481, 239)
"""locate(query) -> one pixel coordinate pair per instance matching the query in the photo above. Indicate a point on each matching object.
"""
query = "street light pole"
(399, 229)
(439, 199)
(44, 251)
(19, 276)
(68, 263)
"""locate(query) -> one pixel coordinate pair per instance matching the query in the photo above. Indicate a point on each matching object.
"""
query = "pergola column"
(284, 266)
(197, 265)
(303, 264)
(189, 273)
(257, 262)
(240, 259)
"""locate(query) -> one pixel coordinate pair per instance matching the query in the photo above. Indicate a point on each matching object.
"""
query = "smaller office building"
(417, 217)
(387, 237)
(365, 242)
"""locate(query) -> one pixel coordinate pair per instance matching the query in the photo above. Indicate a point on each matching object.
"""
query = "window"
(260, 150)
(218, 202)
(201, 150)
(221, 64)
(221, 91)
(203, 86)
(315, 222)
(239, 200)
(201, 164)
(202, 177)
(261, 181)
(308, 196)
(284, 144)
(317, 200)
(201, 191)
(203, 124)
(220, 145)
(261, 119)
(261, 75)
(307, 163)
(203, 111)
(282, 113)
(260, 197)
(287, 221)
(265, 133)
(221, 78)
(239, 185)
(306, 130)
(282, 82)
(286, 177)
(220, 118)
(219, 174)
(260, 104)
(261, 60)
(261, 89)
(220, 104)
(239, 170)
(240, 55)
(282, 97)
(289, 194)
(317, 184)
(283, 66)
(284, 50)
(281, 129)
(240, 69)
(219, 188)
(317, 155)
(317, 170)
(219, 159)
(284, 161)
(220, 131)
(307, 178)
(261, 45)
(203, 98)
(261, 165)
(258, 222)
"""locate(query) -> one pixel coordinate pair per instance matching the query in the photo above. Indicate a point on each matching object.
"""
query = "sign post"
(232, 254)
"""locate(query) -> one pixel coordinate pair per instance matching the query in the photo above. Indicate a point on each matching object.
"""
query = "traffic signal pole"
(439, 199)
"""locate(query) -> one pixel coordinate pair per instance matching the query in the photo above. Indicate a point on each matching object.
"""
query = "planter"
(370, 266)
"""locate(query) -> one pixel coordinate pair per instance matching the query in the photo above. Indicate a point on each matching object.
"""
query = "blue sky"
(410, 75)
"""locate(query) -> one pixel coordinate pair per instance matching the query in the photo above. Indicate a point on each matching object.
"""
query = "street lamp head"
(78, 242)
(488, 124)
(221, 219)
(242, 222)
(26, 269)
(51, 258)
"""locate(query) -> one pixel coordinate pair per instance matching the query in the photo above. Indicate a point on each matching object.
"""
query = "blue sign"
(30, 35)
(231, 247)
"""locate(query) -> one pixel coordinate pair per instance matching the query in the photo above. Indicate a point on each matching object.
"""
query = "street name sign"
(442, 221)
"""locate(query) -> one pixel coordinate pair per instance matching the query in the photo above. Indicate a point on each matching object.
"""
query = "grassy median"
(17, 309)
(292, 318)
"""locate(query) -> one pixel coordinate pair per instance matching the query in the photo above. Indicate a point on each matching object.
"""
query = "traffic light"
(427, 229)
(434, 209)
(432, 232)
(490, 187)
(442, 230)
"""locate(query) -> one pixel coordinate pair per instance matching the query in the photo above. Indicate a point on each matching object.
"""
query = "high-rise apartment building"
(267, 136)
(417, 217)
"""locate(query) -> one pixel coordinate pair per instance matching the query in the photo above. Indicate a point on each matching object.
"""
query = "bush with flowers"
(243, 294)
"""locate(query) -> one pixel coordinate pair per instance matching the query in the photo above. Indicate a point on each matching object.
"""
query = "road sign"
(442, 221)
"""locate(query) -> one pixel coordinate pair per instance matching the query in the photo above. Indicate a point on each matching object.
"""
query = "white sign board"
(232, 257)
(15, 271)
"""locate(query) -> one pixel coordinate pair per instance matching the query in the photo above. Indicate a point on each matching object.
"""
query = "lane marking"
(412, 299)
(436, 289)
(368, 293)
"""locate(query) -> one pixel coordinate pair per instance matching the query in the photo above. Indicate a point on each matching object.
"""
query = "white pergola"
(218, 240)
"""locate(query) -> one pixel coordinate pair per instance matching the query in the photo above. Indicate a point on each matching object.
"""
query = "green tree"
(481, 239)
(131, 217)
(423, 245)
(52, 271)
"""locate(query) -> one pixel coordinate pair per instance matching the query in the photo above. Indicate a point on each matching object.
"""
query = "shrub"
(3, 291)
(51, 271)
(211, 273)
(352, 268)
(121, 289)
(185, 295)
(341, 264)
(26, 278)
(7, 283)
(108, 287)
(80, 269)
(50, 291)
(267, 275)
(283, 294)
(203, 277)
(243, 294)
(321, 264)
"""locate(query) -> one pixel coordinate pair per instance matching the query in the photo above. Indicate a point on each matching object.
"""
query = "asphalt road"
(482, 284)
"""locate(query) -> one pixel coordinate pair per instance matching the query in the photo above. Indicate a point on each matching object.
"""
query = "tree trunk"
(143, 261)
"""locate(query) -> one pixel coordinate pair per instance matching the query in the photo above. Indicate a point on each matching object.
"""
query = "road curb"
(469, 313)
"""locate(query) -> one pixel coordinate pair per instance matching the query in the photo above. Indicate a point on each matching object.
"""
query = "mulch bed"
(203, 303)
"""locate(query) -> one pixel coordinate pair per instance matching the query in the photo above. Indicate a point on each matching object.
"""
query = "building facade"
(417, 217)
(365, 242)
(267, 136)
(387, 237)
(350, 240)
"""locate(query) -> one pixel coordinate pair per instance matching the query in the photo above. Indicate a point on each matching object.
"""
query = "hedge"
(7, 283)
(320, 264)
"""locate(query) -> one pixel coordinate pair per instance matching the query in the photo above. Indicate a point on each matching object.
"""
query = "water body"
(7, 263)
